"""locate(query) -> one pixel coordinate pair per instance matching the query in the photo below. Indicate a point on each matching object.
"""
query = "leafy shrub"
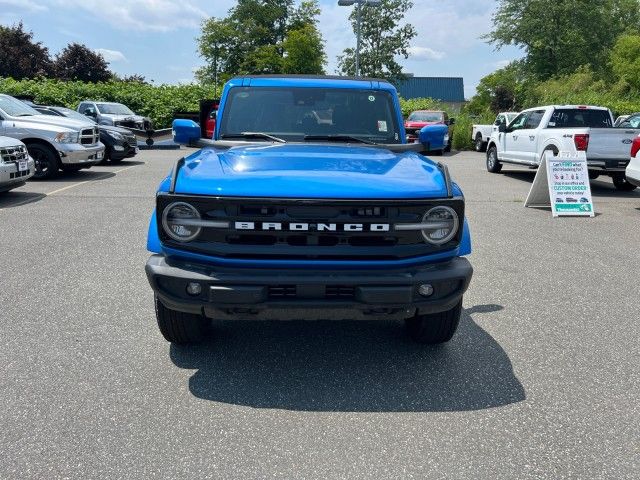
(159, 102)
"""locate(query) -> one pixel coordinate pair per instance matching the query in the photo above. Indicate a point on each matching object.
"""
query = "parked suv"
(53, 142)
(308, 203)
(120, 143)
(115, 114)
(16, 166)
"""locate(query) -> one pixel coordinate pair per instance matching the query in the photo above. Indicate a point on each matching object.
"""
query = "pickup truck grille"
(90, 136)
(13, 154)
(308, 229)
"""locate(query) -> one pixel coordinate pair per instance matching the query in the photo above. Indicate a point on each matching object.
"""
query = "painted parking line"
(69, 187)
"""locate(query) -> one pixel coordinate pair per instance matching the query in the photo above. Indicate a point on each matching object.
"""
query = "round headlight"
(442, 225)
(180, 221)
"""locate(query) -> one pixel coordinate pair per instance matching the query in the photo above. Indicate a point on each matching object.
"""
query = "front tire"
(479, 144)
(179, 327)
(45, 159)
(621, 183)
(434, 328)
(493, 165)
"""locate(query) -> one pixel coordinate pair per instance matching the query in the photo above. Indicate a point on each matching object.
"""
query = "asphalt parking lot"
(541, 380)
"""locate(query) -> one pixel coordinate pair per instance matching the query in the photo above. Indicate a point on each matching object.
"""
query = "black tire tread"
(435, 328)
(497, 166)
(179, 327)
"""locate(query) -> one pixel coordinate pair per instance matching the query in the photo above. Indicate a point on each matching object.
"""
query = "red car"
(423, 118)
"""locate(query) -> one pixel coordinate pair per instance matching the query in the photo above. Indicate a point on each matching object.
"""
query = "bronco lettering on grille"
(320, 227)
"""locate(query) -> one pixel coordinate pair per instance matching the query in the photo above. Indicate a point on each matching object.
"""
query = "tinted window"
(520, 121)
(431, 117)
(291, 113)
(534, 119)
(632, 122)
(580, 117)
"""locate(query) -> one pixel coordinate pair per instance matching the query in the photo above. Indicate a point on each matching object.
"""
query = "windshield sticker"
(372, 98)
(552, 124)
(382, 126)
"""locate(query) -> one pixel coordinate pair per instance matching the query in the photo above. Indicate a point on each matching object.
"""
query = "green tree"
(500, 91)
(20, 56)
(257, 37)
(304, 50)
(77, 62)
(382, 40)
(625, 59)
(558, 36)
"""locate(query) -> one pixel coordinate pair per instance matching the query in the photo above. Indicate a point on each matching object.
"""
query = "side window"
(631, 122)
(520, 121)
(534, 119)
(83, 107)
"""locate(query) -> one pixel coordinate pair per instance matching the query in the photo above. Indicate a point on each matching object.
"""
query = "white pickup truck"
(481, 134)
(564, 128)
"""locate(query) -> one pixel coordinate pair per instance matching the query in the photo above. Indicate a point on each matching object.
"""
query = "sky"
(157, 38)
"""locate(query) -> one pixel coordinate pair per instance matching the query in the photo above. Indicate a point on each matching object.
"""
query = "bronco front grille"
(324, 221)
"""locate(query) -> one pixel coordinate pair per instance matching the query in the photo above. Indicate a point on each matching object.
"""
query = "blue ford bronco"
(308, 203)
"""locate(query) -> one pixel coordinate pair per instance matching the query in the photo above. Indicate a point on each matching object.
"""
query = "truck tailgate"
(610, 143)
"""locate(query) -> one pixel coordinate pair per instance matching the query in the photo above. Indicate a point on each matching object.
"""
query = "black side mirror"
(502, 128)
(452, 121)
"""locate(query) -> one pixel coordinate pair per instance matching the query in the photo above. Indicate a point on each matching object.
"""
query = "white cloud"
(142, 15)
(111, 55)
(22, 5)
(425, 53)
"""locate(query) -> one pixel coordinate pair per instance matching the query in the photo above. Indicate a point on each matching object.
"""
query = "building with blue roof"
(449, 90)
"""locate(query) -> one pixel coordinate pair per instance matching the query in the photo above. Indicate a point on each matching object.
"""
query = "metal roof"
(446, 89)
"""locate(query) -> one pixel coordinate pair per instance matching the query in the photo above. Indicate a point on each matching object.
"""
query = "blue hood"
(310, 171)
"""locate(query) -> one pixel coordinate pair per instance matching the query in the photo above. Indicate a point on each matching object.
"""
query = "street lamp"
(348, 3)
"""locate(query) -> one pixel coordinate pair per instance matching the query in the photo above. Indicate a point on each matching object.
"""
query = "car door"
(528, 138)
(513, 138)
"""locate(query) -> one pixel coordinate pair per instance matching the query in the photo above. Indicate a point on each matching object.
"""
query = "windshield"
(114, 109)
(67, 112)
(15, 108)
(431, 117)
(292, 113)
(580, 117)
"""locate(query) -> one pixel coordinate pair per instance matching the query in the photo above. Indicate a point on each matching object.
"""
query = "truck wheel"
(479, 144)
(493, 165)
(45, 159)
(621, 183)
(179, 327)
(434, 328)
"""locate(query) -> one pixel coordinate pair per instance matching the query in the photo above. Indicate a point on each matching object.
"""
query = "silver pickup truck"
(54, 143)
(16, 167)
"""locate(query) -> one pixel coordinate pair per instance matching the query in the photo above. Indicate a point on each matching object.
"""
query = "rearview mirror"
(185, 132)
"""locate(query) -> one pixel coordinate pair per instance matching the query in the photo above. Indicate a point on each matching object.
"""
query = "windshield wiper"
(337, 138)
(263, 135)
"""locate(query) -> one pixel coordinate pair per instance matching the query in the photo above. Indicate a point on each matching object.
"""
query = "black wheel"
(493, 165)
(479, 144)
(106, 157)
(447, 148)
(436, 327)
(180, 327)
(593, 175)
(46, 161)
(621, 183)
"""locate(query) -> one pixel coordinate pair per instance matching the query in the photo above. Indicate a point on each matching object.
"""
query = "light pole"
(358, 3)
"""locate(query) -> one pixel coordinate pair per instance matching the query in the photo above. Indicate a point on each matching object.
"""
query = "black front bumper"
(242, 291)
